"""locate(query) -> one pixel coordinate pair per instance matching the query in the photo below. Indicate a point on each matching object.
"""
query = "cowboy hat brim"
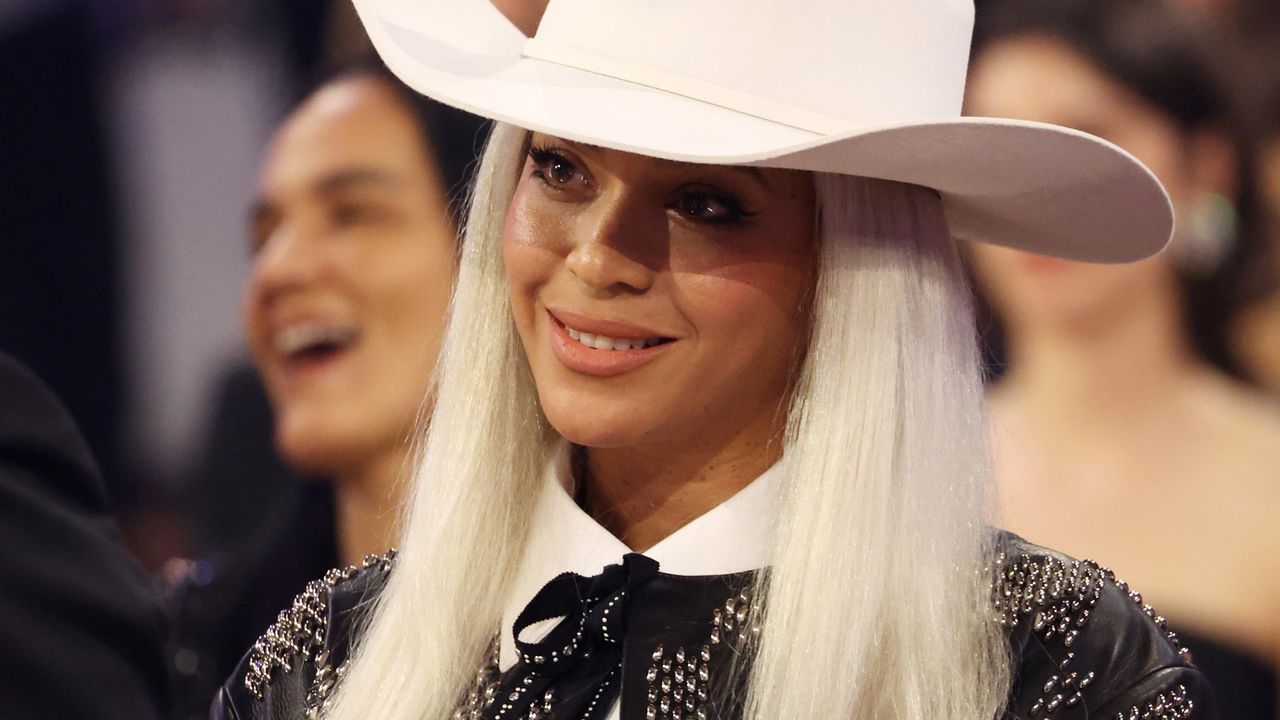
(1032, 186)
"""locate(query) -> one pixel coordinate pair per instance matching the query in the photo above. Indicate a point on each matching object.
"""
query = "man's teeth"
(604, 342)
(296, 338)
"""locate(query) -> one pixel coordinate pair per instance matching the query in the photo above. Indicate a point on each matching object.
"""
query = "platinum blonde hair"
(877, 604)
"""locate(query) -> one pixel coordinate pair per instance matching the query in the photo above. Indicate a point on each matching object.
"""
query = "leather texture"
(1083, 645)
(286, 695)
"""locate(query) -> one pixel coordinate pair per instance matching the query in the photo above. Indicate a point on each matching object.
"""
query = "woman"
(1120, 433)
(354, 252)
(724, 366)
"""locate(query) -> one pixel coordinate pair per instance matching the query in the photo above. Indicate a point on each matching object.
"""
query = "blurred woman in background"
(354, 253)
(1121, 433)
(354, 243)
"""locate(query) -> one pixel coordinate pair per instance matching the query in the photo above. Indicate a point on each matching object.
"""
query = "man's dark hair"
(454, 138)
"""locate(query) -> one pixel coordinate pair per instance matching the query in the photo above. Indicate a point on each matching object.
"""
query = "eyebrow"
(750, 170)
(754, 172)
(335, 182)
(352, 177)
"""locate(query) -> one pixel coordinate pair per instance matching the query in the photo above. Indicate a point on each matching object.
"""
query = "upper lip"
(608, 328)
(307, 331)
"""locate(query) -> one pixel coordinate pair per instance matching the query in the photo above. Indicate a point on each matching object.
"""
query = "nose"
(287, 261)
(620, 246)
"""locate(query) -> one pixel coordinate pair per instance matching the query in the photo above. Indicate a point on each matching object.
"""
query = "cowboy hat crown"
(861, 87)
(851, 65)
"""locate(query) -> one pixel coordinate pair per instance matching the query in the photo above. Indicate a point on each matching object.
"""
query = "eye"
(263, 221)
(711, 207)
(257, 240)
(553, 168)
(348, 214)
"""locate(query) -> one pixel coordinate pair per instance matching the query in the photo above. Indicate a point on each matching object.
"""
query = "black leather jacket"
(1084, 646)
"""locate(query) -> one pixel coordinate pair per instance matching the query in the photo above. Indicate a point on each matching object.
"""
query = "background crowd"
(204, 200)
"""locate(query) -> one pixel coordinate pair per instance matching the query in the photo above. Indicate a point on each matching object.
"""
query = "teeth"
(604, 342)
(295, 338)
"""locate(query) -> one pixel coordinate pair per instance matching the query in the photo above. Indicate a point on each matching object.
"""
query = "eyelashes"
(712, 208)
(698, 202)
(552, 167)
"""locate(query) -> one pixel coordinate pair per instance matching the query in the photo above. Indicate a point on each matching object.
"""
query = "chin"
(309, 449)
(1068, 314)
(304, 457)
(581, 431)
(582, 425)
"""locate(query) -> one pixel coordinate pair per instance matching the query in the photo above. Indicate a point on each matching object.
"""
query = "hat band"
(745, 103)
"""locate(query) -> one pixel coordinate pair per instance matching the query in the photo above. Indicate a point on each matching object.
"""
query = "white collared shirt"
(735, 536)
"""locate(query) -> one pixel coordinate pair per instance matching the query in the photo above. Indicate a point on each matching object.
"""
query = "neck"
(367, 501)
(1101, 373)
(644, 494)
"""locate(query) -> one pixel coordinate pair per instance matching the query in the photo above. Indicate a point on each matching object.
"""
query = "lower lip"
(600, 363)
(305, 368)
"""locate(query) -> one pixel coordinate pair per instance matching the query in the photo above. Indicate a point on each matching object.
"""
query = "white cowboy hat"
(860, 87)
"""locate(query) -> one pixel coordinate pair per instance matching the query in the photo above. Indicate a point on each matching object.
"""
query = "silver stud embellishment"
(1057, 597)
(679, 681)
(299, 633)
(1174, 704)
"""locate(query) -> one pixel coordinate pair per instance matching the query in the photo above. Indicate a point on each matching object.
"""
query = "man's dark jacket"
(81, 630)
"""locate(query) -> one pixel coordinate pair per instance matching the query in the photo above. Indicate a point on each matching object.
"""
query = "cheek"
(254, 321)
(753, 298)
(1162, 153)
(517, 245)
(534, 220)
(410, 288)
(782, 286)
(738, 300)
(996, 269)
(749, 317)
(530, 242)
(1153, 275)
(737, 276)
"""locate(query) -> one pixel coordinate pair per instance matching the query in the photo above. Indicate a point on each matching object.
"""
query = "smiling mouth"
(604, 342)
(313, 341)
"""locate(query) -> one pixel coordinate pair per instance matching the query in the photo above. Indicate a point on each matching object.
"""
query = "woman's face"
(660, 304)
(1040, 78)
(353, 265)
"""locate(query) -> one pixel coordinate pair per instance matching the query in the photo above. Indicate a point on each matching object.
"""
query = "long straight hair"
(877, 604)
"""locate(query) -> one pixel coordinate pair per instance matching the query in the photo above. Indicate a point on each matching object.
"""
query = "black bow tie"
(575, 668)
(655, 643)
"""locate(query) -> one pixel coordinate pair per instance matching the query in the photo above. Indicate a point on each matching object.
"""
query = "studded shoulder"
(301, 633)
(1085, 643)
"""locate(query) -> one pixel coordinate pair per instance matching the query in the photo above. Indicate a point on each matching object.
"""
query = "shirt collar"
(735, 536)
